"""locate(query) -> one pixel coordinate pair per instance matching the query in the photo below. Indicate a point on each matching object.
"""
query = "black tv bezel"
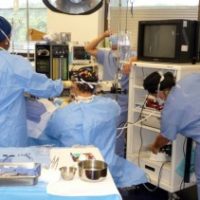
(191, 31)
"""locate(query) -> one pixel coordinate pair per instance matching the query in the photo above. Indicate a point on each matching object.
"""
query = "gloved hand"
(107, 33)
(159, 142)
(154, 149)
(34, 110)
(67, 84)
(127, 66)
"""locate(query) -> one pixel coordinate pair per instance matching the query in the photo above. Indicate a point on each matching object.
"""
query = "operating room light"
(75, 1)
(74, 7)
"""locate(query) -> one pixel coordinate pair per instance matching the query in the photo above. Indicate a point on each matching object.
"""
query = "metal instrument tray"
(15, 179)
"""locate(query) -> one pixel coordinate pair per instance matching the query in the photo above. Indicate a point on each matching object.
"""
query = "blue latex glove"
(34, 110)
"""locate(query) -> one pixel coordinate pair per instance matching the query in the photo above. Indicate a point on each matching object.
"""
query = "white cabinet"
(142, 133)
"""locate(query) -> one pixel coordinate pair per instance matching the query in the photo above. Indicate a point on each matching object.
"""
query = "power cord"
(159, 178)
(182, 185)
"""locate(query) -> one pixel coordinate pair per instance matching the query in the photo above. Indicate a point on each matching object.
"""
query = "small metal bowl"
(67, 173)
(92, 170)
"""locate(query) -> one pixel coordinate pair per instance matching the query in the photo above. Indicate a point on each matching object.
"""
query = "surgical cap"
(5, 27)
(152, 81)
(85, 77)
(85, 74)
(114, 40)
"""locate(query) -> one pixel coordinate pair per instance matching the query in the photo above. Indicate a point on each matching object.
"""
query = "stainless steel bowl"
(67, 173)
(92, 170)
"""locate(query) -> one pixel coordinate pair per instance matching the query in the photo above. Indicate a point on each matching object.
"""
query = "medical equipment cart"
(144, 126)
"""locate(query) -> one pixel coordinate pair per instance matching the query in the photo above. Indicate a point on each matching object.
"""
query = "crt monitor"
(160, 41)
(173, 40)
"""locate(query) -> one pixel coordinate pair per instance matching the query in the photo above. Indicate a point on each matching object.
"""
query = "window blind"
(118, 17)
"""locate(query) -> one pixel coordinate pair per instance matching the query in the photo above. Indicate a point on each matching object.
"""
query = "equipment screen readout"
(79, 53)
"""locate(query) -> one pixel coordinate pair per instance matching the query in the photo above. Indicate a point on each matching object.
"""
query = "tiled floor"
(141, 193)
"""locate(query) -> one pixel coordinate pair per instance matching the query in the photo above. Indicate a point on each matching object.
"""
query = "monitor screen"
(79, 53)
(159, 41)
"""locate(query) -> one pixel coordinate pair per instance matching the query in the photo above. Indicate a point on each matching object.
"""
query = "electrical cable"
(131, 7)
(141, 145)
(138, 121)
(121, 132)
(126, 22)
(159, 178)
(140, 132)
(120, 14)
(182, 185)
(126, 125)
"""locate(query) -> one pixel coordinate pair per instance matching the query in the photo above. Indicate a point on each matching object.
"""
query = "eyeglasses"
(7, 38)
(166, 92)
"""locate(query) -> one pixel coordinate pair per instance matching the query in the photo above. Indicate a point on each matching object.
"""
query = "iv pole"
(27, 27)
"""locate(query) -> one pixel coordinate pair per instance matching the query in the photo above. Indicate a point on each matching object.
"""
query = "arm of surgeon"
(159, 142)
(127, 66)
(91, 47)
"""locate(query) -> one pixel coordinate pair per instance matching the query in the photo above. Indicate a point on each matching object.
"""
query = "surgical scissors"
(7, 156)
(54, 163)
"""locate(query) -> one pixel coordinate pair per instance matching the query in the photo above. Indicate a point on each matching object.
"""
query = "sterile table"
(53, 190)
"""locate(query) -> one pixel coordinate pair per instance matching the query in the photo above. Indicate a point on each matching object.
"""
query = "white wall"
(83, 28)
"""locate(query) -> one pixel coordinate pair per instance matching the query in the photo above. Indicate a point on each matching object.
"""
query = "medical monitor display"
(173, 40)
(160, 41)
(79, 55)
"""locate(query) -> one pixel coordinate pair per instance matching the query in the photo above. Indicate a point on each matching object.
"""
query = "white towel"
(78, 187)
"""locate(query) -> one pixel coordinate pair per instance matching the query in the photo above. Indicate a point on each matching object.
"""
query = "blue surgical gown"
(181, 112)
(93, 123)
(110, 67)
(16, 78)
(181, 115)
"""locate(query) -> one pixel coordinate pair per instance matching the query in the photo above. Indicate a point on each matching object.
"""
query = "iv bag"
(124, 46)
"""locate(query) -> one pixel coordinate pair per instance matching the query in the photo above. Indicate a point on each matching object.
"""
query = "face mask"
(115, 53)
(113, 40)
(7, 38)
(160, 101)
(80, 99)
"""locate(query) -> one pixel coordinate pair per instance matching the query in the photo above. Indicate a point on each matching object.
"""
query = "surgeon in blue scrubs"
(181, 113)
(109, 60)
(91, 120)
(16, 78)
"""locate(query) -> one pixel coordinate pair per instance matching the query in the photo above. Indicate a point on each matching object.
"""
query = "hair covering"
(155, 80)
(114, 40)
(5, 28)
(86, 76)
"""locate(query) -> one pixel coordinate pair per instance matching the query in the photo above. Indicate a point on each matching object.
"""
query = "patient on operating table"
(91, 120)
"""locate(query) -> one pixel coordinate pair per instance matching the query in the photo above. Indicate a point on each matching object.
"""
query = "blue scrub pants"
(197, 168)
